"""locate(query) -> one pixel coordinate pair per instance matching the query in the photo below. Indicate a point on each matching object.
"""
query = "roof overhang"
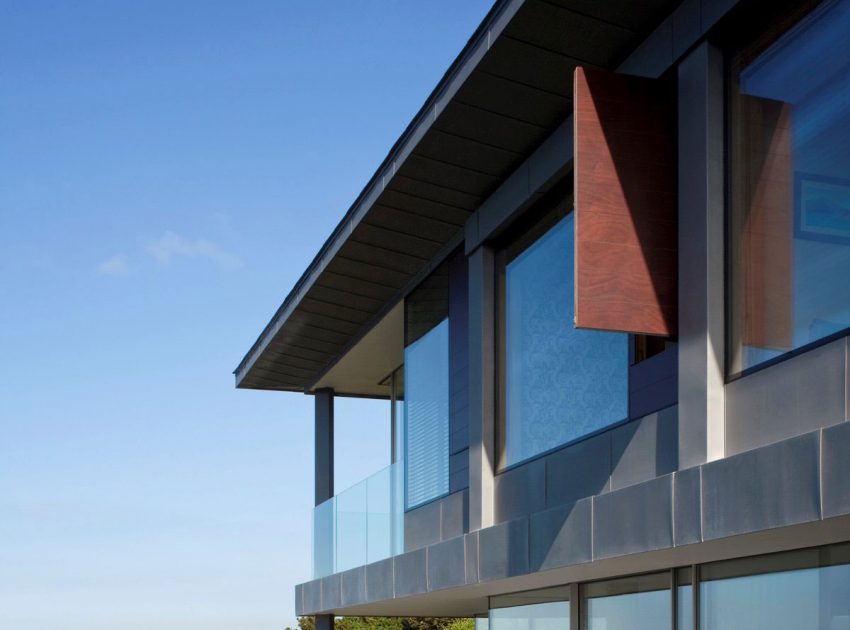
(507, 91)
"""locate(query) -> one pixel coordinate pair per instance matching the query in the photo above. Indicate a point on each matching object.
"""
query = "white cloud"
(170, 246)
(115, 267)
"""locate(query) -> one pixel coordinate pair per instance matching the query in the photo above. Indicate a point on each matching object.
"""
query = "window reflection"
(811, 599)
(638, 603)
(542, 609)
(559, 383)
(790, 194)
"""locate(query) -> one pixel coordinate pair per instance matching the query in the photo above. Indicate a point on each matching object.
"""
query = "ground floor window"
(806, 589)
(546, 609)
(642, 602)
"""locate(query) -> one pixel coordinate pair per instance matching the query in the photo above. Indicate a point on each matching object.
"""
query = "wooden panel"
(764, 187)
(625, 203)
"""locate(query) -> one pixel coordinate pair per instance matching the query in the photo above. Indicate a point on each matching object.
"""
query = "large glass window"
(426, 391)
(790, 188)
(558, 383)
(637, 603)
(799, 591)
(545, 609)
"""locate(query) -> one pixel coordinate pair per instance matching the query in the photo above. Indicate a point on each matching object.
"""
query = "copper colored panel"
(625, 203)
(765, 187)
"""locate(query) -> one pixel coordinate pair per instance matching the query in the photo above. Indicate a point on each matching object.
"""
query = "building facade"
(604, 280)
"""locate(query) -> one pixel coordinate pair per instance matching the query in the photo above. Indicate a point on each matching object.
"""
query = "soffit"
(508, 90)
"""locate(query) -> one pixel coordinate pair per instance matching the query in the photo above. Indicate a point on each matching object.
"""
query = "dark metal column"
(324, 444)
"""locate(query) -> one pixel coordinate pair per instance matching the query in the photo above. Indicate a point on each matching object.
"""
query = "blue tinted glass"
(684, 607)
(809, 599)
(791, 191)
(545, 616)
(633, 611)
(560, 383)
(426, 389)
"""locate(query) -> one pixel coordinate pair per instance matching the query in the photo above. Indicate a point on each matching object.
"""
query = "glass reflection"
(790, 194)
(426, 382)
(806, 599)
(635, 603)
(561, 383)
(543, 616)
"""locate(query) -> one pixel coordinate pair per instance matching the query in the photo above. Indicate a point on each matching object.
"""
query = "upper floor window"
(426, 390)
(790, 188)
(557, 383)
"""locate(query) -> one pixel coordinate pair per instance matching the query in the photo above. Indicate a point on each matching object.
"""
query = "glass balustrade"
(362, 524)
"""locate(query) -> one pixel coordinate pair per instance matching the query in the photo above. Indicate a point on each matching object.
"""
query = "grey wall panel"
(353, 585)
(520, 491)
(654, 55)
(411, 573)
(454, 517)
(446, 564)
(561, 536)
(578, 471)
(686, 26)
(459, 439)
(459, 470)
(713, 10)
(299, 600)
(645, 448)
(331, 592)
(653, 383)
(422, 526)
(835, 470)
(503, 550)
(793, 397)
(687, 511)
(459, 478)
(380, 578)
(767, 487)
(635, 519)
(471, 557)
(312, 596)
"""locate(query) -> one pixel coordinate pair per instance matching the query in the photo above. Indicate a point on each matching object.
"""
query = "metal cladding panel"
(625, 203)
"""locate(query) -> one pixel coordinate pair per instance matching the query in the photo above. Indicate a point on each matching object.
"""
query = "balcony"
(362, 524)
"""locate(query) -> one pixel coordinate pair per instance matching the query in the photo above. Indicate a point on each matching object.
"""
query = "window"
(426, 391)
(637, 603)
(557, 383)
(545, 609)
(790, 188)
(804, 589)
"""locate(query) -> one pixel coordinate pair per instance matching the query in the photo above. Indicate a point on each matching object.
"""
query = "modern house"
(604, 279)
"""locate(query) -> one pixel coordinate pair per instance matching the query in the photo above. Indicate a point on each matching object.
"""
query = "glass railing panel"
(352, 519)
(379, 516)
(362, 524)
(324, 534)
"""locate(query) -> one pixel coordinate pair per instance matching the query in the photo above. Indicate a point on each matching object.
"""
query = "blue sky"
(167, 171)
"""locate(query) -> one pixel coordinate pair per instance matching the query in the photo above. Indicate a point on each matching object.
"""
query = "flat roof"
(506, 92)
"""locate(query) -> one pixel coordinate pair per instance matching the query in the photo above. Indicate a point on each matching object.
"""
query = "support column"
(482, 381)
(701, 257)
(324, 470)
(324, 443)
